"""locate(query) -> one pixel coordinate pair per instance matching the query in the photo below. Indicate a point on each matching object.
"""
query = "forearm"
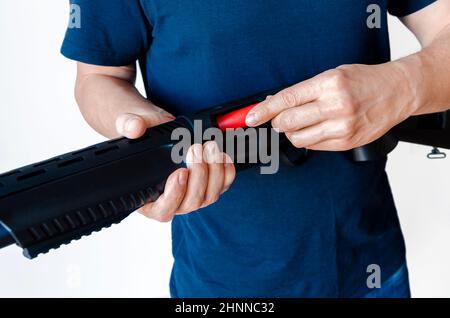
(104, 98)
(427, 74)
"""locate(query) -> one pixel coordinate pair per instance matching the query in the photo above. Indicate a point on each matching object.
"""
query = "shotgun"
(51, 203)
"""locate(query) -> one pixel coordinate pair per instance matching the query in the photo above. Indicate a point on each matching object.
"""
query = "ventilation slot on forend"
(30, 175)
(82, 151)
(70, 162)
(106, 150)
(44, 163)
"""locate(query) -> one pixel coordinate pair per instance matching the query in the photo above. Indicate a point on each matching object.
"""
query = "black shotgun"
(50, 203)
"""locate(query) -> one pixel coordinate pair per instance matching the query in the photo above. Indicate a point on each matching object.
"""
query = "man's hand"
(354, 105)
(111, 104)
(209, 173)
(340, 109)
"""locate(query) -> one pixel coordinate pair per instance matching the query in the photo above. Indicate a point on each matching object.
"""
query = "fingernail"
(182, 178)
(170, 117)
(131, 125)
(198, 155)
(190, 157)
(228, 160)
(211, 152)
(252, 119)
(276, 129)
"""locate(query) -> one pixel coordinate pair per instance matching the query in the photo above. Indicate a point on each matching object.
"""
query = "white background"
(39, 119)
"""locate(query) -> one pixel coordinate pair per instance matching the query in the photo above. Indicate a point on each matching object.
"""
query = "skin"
(111, 104)
(337, 110)
(353, 105)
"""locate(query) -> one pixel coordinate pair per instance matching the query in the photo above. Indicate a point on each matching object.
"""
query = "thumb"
(130, 125)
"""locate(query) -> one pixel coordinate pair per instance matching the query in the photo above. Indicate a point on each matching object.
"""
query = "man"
(310, 230)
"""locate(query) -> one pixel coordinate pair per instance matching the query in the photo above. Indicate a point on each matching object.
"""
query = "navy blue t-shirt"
(309, 230)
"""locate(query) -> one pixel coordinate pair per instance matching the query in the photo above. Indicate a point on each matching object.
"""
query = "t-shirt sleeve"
(106, 32)
(401, 8)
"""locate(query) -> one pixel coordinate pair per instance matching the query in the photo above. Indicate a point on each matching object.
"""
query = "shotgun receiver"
(50, 203)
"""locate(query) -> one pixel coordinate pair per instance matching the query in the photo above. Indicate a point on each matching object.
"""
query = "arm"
(109, 101)
(111, 104)
(429, 70)
(353, 105)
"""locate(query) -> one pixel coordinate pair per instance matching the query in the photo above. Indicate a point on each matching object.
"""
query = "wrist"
(412, 78)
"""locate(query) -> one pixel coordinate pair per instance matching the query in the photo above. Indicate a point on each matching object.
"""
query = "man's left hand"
(340, 109)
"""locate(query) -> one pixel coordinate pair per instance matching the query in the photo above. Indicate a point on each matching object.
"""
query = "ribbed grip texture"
(64, 198)
(83, 222)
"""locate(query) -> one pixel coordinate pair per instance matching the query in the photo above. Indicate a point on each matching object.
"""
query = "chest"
(204, 52)
(212, 18)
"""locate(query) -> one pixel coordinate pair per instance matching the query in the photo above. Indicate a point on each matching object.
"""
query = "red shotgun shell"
(235, 119)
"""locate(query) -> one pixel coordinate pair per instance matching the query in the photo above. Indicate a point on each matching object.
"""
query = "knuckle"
(345, 105)
(211, 200)
(195, 202)
(150, 214)
(343, 144)
(347, 128)
(144, 212)
(230, 178)
(294, 141)
(289, 98)
(163, 218)
(349, 106)
(233, 174)
(199, 168)
(322, 132)
(320, 111)
(337, 79)
(204, 171)
(275, 123)
(287, 122)
(341, 84)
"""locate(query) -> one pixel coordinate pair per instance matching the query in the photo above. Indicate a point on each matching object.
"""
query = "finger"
(164, 208)
(296, 95)
(319, 133)
(154, 116)
(216, 172)
(130, 125)
(198, 180)
(134, 125)
(341, 144)
(230, 172)
(300, 117)
(331, 145)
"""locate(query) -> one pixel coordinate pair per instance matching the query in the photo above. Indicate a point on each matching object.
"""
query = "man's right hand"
(112, 105)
